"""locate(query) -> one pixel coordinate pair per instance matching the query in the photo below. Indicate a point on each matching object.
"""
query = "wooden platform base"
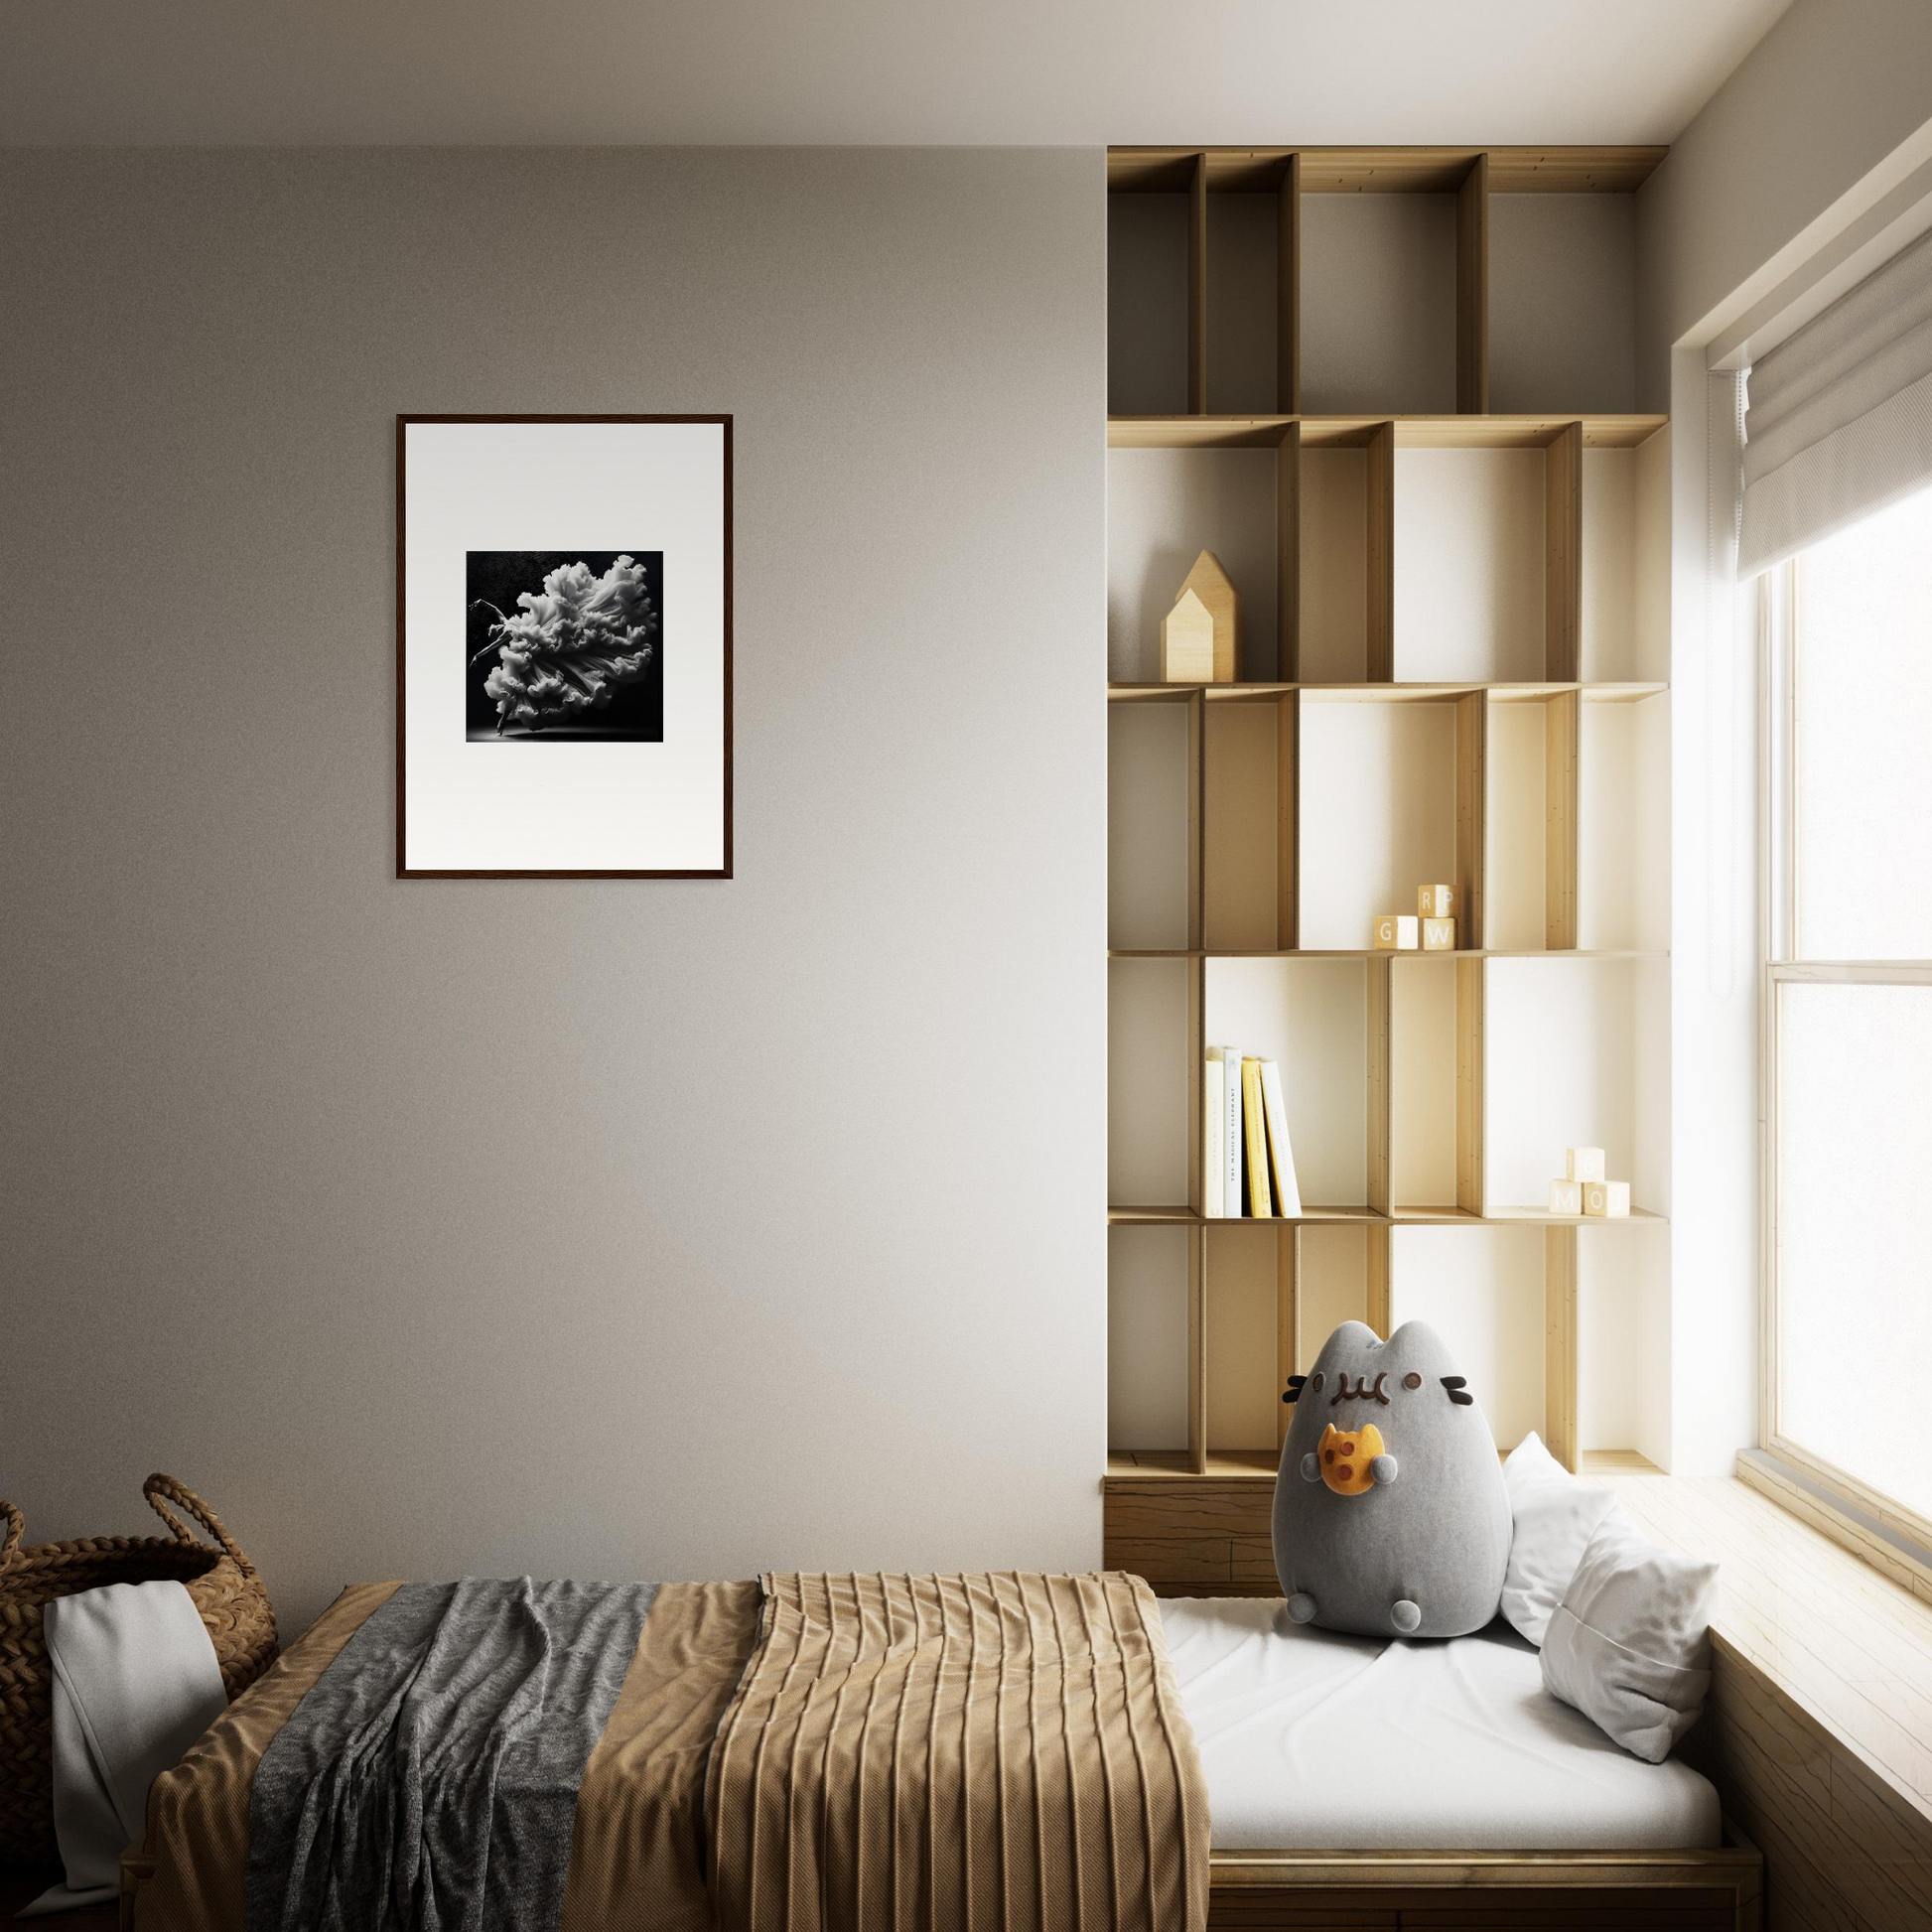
(1395, 1892)
(1564, 1891)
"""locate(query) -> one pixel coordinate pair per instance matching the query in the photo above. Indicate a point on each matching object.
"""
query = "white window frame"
(1779, 605)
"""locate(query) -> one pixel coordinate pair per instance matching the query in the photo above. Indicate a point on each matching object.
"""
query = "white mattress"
(1313, 1741)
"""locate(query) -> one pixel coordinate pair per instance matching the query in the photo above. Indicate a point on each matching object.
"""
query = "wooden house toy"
(1200, 636)
(1188, 642)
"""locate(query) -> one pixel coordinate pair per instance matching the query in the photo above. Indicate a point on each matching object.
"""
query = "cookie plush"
(1391, 1517)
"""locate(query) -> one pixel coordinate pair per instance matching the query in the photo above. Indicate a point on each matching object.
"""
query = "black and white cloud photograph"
(564, 645)
(606, 637)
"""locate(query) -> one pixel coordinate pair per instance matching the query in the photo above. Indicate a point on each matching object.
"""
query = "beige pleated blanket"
(922, 1754)
(994, 1753)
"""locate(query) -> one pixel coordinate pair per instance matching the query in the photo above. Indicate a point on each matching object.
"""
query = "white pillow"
(1629, 1646)
(1554, 1516)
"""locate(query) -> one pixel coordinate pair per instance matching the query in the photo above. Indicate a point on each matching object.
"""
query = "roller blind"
(1837, 420)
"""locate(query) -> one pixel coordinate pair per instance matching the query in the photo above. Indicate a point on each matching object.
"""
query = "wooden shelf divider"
(1196, 817)
(1318, 1214)
(1472, 290)
(1197, 287)
(1472, 817)
(1560, 1344)
(1471, 1122)
(1288, 821)
(1196, 1015)
(1386, 692)
(1197, 1081)
(1492, 432)
(1562, 563)
(1288, 1319)
(1378, 1311)
(1380, 969)
(1288, 290)
(1384, 171)
(1380, 549)
(1365, 952)
(1288, 554)
(1561, 830)
(1198, 1347)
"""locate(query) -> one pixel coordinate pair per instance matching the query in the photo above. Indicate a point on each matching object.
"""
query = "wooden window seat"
(1818, 1735)
(1819, 1730)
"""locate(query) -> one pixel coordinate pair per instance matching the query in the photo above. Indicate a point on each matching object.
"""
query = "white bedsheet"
(1315, 1742)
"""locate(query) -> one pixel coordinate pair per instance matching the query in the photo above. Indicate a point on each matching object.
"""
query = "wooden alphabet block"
(1439, 935)
(1436, 902)
(1200, 636)
(1565, 1198)
(1397, 932)
(1607, 1200)
(1584, 1163)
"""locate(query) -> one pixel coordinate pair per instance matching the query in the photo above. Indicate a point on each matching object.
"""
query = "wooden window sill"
(1881, 1545)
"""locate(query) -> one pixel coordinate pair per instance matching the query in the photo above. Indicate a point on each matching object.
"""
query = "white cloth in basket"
(135, 1683)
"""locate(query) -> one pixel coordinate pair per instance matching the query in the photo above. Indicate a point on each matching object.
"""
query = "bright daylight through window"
(1850, 1000)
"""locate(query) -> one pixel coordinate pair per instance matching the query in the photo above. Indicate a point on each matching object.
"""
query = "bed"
(1463, 1794)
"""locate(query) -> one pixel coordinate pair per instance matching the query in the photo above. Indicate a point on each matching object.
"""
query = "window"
(1847, 1004)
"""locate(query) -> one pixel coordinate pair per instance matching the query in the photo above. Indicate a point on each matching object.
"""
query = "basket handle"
(16, 1529)
(177, 1491)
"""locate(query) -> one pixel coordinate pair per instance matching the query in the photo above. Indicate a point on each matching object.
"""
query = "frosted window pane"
(1865, 734)
(1854, 1268)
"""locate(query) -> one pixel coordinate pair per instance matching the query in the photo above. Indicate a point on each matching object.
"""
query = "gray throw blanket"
(428, 1782)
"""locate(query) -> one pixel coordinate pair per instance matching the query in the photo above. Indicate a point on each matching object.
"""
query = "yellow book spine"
(1256, 1135)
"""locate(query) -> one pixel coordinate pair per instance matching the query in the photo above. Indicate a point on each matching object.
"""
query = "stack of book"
(1247, 1168)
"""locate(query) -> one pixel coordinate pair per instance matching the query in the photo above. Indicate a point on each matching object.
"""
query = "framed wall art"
(563, 646)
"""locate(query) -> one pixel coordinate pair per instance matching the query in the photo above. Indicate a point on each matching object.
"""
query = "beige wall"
(630, 1228)
(1832, 90)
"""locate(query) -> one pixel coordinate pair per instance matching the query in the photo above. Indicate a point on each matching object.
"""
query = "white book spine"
(1231, 1153)
(1281, 1154)
(1214, 1125)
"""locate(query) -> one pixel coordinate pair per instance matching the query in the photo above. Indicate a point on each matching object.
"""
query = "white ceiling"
(922, 72)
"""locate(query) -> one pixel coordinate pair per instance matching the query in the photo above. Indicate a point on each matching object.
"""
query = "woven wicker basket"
(225, 1590)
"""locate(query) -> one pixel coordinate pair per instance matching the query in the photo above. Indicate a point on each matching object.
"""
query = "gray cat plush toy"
(1391, 1517)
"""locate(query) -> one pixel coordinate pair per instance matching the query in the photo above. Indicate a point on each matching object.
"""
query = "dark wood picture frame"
(406, 871)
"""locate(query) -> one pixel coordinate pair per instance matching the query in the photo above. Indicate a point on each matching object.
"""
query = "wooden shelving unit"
(1450, 535)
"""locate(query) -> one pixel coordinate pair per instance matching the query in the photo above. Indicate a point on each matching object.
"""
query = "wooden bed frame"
(1403, 1891)
(1474, 1891)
